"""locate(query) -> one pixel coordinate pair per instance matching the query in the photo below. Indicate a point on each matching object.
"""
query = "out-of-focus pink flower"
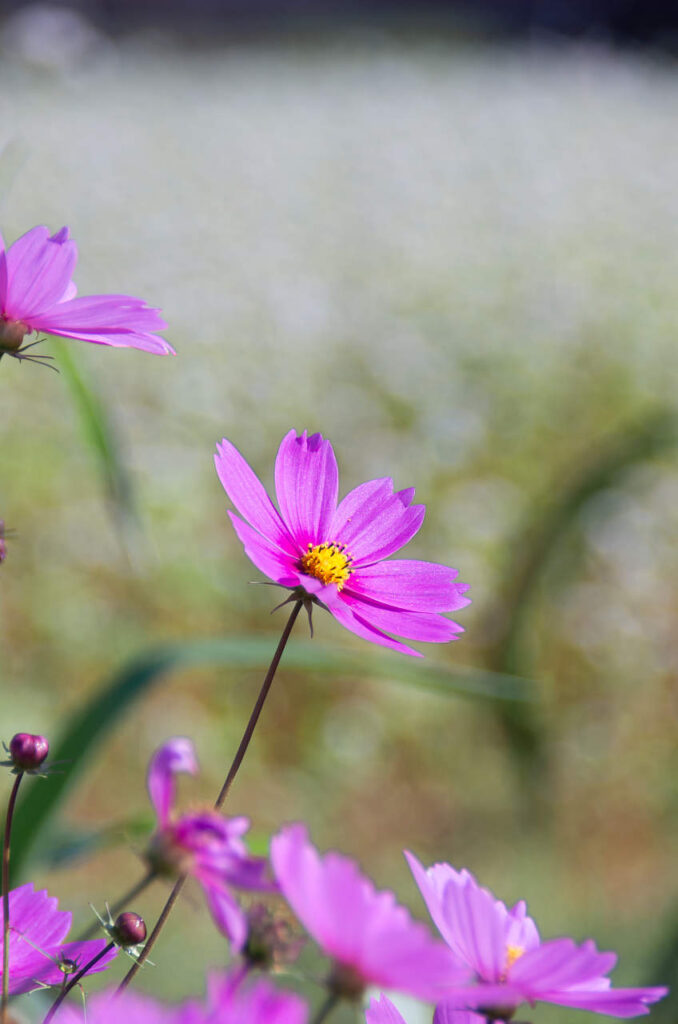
(38, 955)
(37, 294)
(202, 843)
(382, 1011)
(508, 959)
(369, 936)
(231, 999)
(335, 554)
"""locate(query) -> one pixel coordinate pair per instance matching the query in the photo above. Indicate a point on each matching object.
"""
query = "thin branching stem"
(5, 897)
(232, 772)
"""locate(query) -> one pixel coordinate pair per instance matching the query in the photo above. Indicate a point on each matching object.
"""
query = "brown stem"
(119, 905)
(150, 942)
(254, 717)
(233, 771)
(74, 981)
(5, 897)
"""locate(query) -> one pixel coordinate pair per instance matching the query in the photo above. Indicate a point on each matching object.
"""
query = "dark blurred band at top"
(653, 22)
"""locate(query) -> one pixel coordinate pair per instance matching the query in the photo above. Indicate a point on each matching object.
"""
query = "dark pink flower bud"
(129, 929)
(28, 751)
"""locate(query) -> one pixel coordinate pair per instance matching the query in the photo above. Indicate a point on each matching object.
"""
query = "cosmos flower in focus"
(336, 554)
(202, 843)
(371, 939)
(38, 955)
(38, 294)
(510, 962)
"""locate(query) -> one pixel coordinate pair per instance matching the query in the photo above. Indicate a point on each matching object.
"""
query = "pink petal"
(39, 270)
(616, 1002)
(560, 963)
(306, 485)
(411, 585)
(3, 275)
(431, 628)
(250, 498)
(432, 883)
(446, 1014)
(382, 1011)
(228, 916)
(120, 321)
(374, 522)
(355, 624)
(278, 566)
(177, 755)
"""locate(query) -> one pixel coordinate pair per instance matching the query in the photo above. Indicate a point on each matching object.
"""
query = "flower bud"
(271, 940)
(28, 751)
(129, 929)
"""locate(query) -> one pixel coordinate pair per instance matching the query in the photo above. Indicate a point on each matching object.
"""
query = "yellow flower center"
(513, 953)
(328, 563)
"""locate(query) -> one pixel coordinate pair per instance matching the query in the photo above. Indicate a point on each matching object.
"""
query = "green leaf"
(94, 722)
(98, 430)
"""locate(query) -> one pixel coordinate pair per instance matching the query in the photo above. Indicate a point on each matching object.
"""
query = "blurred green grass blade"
(600, 468)
(90, 725)
(98, 430)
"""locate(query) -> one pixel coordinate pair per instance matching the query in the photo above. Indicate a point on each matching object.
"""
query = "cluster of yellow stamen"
(513, 953)
(329, 563)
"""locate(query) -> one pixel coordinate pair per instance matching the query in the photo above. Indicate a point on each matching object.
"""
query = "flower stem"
(5, 897)
(119, 905)
(326, 1008)
(233, 771)
(74, 981)
(256, 711)
(150, 942)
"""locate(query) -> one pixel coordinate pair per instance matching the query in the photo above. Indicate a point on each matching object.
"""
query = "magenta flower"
(334, 554)
(230, 1000)
(38, 955)
(202, 843)
(510, 962)
(382, 1011)
(371, 939)
(37, 294)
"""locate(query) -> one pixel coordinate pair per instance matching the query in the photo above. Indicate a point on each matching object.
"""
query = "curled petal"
(228, 916)
(177, 755)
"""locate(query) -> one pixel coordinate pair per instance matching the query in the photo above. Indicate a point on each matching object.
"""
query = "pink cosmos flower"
(371, 939)
(230, 1000)
(382, 1011)
(510, 962)
(38, 955)
(335, 554)
(37, 294)
(202, 843)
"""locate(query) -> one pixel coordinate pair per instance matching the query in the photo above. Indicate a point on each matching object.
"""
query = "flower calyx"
(271, 941)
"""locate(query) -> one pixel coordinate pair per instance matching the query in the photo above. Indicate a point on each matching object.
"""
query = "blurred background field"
(459, 263)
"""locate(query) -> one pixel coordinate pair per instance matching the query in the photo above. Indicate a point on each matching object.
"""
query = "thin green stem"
(232, 772)
(119, 904)
(326, 1008)
(5, 897)
(74, 981)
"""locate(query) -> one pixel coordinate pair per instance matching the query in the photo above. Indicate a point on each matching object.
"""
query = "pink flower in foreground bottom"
(508, 959)
(335, 554)
(36, 941)
(231, 999)
(371, 939)
(202, 843)
(37, 294)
